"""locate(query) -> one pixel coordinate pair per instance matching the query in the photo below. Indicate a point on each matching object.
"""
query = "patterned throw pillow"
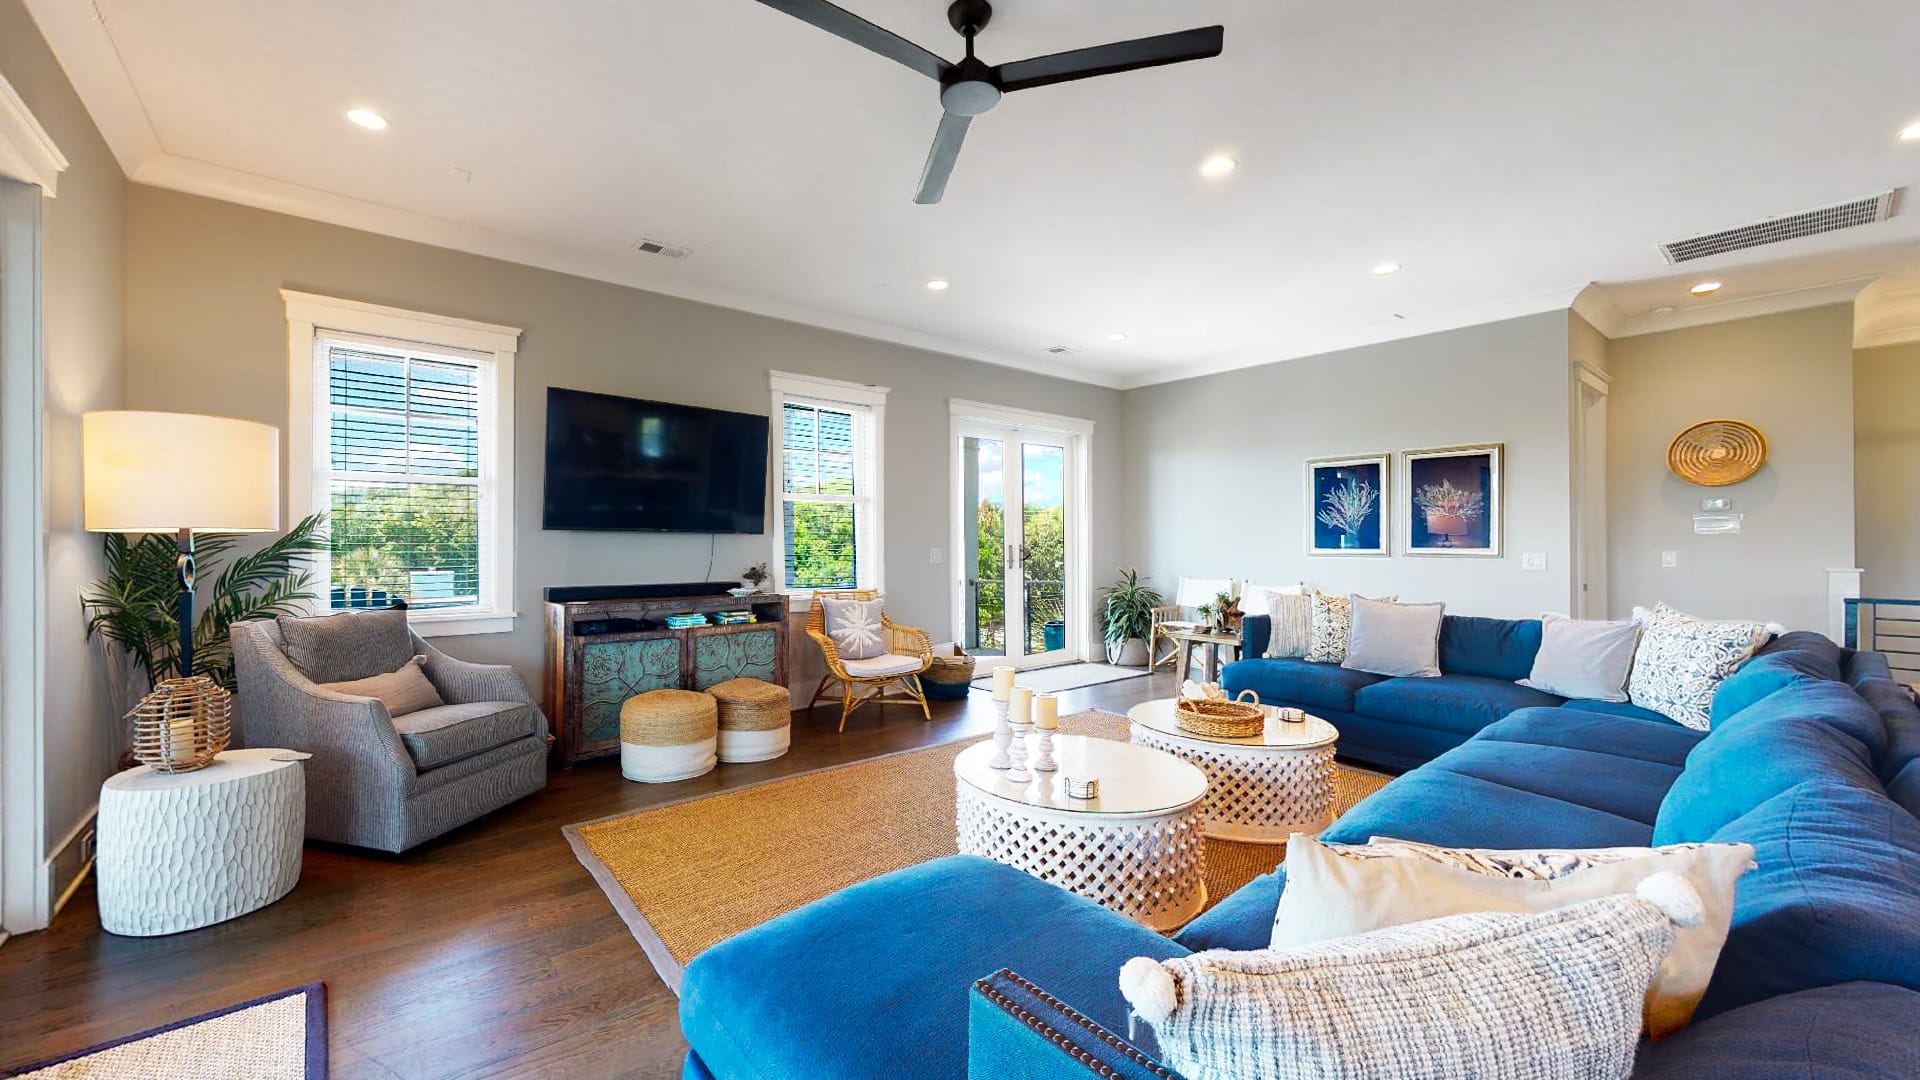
(1292, 619)
(1334, 890)
(855, 628)
(1332, 627)
(1550, 996)
(1681, 661)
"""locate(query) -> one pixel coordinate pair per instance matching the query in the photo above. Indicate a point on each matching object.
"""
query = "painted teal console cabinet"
(590, 674)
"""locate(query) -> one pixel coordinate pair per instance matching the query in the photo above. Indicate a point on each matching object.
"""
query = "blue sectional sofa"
(1399, 723)
(965, 968)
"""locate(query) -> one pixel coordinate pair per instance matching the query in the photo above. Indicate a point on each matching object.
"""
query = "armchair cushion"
(876, 667)
(449, 733)
(347, 645)
(855, 628)
(402, 692)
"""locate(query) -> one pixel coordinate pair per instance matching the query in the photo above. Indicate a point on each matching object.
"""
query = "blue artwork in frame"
(1347, 505)
(1454, 502)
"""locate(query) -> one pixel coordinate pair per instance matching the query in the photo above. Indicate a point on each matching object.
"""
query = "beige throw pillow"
(1291, 631)
(1334, 890)
(1333, 626)
(404, 691)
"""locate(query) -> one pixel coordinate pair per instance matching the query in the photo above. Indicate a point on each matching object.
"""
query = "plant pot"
(1129, 653)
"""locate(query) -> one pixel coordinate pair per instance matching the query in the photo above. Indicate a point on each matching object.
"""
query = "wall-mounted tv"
(622, 463)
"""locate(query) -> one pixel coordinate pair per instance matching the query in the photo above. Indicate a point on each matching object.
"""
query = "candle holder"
(1002, 736)
(1043, 751)
(1017, 771)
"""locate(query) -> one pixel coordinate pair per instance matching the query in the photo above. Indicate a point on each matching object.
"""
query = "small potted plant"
(1126, 618)
(755, 576)
(1223, 611)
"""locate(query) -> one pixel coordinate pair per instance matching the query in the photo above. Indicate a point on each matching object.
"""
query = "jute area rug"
(281, 1035)
(690, 874)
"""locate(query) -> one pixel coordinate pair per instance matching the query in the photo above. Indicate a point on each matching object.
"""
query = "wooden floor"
(486, 953)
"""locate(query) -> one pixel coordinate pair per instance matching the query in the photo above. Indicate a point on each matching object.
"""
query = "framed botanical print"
(1347, 505)
(1454, 500)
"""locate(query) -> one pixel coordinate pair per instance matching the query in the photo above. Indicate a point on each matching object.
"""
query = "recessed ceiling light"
(1386, 268)
(1705, 288)
(1218, 166)
(1663, 309)
(368, 119)
(1910, 133)
(938, 285)
(1116, 336)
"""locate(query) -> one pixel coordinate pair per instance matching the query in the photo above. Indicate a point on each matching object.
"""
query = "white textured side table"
(179, 851)
(1135, 849)
(1260, 789)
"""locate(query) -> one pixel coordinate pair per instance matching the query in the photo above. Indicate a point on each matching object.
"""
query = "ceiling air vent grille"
(662, 249)
(1790, 227)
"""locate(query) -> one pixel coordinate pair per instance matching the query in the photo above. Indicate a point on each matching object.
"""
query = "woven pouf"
(667, 735)
(756, 719)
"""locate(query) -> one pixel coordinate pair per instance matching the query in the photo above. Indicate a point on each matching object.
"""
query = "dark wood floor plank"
(489, 952)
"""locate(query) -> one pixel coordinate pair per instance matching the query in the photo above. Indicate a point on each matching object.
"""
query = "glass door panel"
(1014, 544)
(983, 546)
(1041, 576)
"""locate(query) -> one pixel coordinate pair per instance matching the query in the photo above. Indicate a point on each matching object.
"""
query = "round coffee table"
(1261, 788)
(1134, 849)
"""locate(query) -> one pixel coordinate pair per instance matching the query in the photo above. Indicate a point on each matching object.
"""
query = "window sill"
(462, 625)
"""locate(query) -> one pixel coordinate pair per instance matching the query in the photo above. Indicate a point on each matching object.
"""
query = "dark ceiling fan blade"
(940, 159)
(843, 23)
(1107, 59)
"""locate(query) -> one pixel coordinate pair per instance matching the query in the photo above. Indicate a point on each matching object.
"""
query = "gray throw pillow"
(1584, 658)
(1394, 639)
(855, 628)
(1292, 624)
(347, 645)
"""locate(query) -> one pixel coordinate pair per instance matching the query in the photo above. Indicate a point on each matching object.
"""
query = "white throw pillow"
(1682, 660)
(1291, 624)
(1394, 639)
(1332, 626)
(1584, 658)
(855, 628)
(1548, 996)
(1334, 890)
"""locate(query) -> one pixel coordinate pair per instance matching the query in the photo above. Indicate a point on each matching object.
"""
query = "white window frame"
(312, 319)
(868, 403)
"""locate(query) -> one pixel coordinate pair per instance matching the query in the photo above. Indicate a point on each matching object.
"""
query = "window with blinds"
(405, 478)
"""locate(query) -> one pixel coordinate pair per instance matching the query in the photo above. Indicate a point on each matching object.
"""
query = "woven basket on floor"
(948, 678)
(1216, 719)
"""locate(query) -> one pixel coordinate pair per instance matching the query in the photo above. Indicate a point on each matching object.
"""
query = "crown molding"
(27, 152)
(1887, 313)
(1746, 307)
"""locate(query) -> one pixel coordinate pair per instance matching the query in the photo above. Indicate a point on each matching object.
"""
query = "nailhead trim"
(1060, 1039)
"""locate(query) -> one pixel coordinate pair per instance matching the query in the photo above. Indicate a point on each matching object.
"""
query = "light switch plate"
(1533, 560)
(933, 555)
(1669, 559)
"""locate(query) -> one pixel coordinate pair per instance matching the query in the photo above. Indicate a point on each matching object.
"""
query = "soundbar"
(570, 594)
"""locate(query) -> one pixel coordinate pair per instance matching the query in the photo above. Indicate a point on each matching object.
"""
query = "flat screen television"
(625, 464)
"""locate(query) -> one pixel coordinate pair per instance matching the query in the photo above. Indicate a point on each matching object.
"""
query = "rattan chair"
(904, 642)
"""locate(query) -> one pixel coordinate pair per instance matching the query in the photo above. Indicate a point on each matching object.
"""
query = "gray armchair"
(378, 781)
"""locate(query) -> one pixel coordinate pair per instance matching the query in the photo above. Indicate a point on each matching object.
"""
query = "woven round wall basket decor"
(1715, 453)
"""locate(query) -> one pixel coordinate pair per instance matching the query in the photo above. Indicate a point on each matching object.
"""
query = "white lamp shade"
(157, 472)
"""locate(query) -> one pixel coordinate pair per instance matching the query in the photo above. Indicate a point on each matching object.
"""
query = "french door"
(1018, 515)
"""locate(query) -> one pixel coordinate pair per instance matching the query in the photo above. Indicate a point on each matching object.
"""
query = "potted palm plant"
(1126, 618)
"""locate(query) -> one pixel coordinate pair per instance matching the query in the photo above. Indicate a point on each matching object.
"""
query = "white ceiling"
(1507, 154)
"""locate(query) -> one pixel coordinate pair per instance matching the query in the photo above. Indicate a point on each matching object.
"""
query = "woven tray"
(1236, 719)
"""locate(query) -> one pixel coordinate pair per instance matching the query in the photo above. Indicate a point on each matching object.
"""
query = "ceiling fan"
(972, 86)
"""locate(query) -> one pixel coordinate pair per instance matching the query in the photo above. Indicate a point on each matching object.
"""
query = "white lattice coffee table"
(1261, 788)
(1135, 849)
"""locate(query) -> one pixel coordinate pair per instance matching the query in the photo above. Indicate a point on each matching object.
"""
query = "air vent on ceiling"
(662, 249)
(1825, 219)
(1060, 350)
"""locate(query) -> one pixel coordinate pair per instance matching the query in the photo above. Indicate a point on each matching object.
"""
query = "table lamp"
(158, 472)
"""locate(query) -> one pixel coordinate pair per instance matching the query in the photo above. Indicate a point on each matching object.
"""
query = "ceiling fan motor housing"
(969, 88)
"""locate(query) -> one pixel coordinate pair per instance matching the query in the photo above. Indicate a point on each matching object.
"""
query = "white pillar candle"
(1002, 682)
(1020, 705)
(1046, 711)
(179, 750)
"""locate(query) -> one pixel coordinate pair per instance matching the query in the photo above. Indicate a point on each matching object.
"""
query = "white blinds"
(821, 498)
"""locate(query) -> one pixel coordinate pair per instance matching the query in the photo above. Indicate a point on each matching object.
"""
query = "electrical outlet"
(86, 846)
(1534, 561)
(1669, 559)
(933, 556)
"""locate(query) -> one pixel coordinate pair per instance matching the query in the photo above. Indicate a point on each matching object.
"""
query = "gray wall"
(206, 331)
(1886, 446)
(1215, 464)
(82, 289)
(1790, 375)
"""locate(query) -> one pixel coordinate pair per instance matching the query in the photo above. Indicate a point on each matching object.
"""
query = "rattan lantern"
(1715, 453)
(182, 725)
